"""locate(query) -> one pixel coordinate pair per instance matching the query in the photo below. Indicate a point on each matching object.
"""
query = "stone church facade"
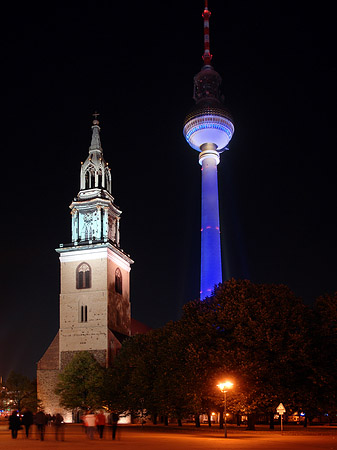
(95, 310)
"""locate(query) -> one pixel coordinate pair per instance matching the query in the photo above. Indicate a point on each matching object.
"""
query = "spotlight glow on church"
(208, 128)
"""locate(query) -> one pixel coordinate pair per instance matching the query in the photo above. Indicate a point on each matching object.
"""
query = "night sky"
(135, 65)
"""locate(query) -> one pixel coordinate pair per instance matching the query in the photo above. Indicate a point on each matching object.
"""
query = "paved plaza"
(173, 438)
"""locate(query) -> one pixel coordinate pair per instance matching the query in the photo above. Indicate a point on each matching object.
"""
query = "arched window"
(118, 281)
(89, 177)
(83, 276)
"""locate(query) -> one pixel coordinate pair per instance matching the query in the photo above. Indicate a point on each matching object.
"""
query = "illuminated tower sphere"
(208, 128)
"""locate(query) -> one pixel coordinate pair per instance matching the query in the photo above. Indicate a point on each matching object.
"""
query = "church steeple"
(95, 217)
(95, 173)
(95, 309)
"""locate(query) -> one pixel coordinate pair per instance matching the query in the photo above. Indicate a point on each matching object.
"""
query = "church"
(95, 309)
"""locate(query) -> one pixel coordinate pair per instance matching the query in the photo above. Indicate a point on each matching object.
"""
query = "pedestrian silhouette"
(100, 423)
(114, 423)
(90, 422)
(27, 420)
(40, 421)
(59, 427)
(14, 424)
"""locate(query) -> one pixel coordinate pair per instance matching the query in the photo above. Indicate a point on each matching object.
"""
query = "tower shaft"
(211, 268)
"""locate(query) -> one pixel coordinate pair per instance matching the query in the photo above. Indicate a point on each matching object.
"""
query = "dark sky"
(135, 65)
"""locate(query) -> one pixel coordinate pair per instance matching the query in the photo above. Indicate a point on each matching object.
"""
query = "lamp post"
(224, 388)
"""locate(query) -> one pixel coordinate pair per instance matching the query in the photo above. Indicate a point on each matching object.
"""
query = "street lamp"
(224, 387)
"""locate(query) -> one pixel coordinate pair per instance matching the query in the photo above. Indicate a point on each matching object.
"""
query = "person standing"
(27, 420)
(100, 422)
(114, 422)
(14, 424)
(40, 420)
(90, 422)
(59, 427)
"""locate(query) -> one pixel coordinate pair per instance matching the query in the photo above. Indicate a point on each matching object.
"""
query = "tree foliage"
(324, 350)
(260, 336)
(81, 383)
(20, 392)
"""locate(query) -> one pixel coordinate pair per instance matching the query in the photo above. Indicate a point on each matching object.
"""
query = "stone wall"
(99, 355)
(46, 385)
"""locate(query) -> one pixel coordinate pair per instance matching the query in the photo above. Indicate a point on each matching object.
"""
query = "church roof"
(139, 327)
(50, 359)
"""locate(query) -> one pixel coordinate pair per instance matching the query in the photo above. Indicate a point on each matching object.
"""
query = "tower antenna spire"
(207, 57)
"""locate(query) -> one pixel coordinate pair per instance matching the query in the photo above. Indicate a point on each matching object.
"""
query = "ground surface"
(173, 438)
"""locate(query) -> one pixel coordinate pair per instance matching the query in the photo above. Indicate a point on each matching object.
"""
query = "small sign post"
(281, 410)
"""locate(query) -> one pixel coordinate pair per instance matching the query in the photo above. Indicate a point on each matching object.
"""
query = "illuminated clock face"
(87, 218)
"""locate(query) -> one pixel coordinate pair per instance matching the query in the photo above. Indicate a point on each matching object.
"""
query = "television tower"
(208, 128)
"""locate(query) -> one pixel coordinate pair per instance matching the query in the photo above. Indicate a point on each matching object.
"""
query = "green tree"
(255, 334)
(129, 385)
(20, 392)
(175, 386)
(324, 349)
(258, 335)
(81, 383)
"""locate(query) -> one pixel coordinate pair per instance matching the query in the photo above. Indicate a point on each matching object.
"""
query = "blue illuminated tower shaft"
(211, 268)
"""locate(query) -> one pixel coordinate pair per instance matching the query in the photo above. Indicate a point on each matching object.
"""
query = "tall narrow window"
(83, 276)
(99, 176)
(118, 281)
(84, 313)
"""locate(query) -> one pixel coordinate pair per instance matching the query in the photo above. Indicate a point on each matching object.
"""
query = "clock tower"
(95, 311)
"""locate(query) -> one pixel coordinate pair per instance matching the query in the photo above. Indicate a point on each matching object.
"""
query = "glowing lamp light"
(225, 386)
